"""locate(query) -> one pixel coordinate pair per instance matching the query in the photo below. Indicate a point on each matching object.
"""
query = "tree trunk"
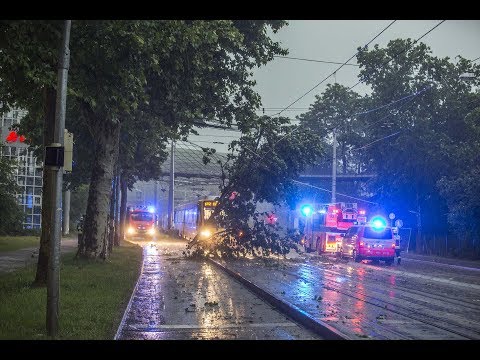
(113, 201)
(48, 134)
(116, 240)
(106, 150)
(123, 206)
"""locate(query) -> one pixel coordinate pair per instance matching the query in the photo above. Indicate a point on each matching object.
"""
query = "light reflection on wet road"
(185, 299)
(368, 303)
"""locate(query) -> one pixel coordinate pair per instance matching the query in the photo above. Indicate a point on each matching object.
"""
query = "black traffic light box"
(54, 155)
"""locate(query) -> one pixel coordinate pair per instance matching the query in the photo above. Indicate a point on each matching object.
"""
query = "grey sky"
(282, 81)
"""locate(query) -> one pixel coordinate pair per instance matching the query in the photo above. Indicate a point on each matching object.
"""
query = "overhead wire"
(337, 193)
(313, 60)
(404, 50)
(360, 80)
(321, 82)
(309, 91)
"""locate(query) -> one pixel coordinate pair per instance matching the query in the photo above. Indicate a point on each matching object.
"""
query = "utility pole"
(334, 166)
(66, 212)
(170, 189)
(53, 275)
(155, 195)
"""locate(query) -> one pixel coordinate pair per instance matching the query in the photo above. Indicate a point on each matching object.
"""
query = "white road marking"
(222, 326)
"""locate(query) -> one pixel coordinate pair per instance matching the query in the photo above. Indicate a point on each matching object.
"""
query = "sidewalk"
(12, 260)
(441, 260)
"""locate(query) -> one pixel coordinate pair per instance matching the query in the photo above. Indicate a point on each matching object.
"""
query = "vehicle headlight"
(151, 231)
(131, 230)
(205, 233)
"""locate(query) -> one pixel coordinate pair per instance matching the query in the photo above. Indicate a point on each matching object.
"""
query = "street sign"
(391, 216)
(399, 223)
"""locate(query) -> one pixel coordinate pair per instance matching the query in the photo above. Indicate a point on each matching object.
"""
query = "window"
(352, 231)
(371, 233)
(37, 219)
(207, 212)
(317, 222)
(7, 122)
(29, 201)
(37, 210)
(142, 216)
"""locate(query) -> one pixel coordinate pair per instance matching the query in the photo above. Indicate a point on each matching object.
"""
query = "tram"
(190, 219)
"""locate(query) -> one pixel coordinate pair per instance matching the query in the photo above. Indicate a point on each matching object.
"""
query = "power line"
(409, 97)
(226, 136)
(319, 61)
(381, 32)
(262, 110)
(393, 102)
(357, 82)
(476, 59)
(216, 155)
(309, 91)
(385, 137)
(406, 49)
(319, 188)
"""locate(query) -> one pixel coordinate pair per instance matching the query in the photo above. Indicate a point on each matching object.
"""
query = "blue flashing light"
(307, 210)
(378, 223)
(151, 209)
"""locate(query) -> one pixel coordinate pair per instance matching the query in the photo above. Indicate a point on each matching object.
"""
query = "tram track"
(424, 293)
(416, 316)
(413, 315)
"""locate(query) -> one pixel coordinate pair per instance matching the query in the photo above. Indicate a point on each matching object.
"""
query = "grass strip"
(93, 297)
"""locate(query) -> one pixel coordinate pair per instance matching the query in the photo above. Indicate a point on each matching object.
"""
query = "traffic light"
(307, 210)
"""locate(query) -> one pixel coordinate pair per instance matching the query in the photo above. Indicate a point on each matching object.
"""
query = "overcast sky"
(282, 81)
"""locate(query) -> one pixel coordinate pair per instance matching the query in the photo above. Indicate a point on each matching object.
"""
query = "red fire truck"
(140, 222)
(323, 228)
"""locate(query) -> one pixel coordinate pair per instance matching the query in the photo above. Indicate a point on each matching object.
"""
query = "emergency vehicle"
(325, 226)
(140, 222)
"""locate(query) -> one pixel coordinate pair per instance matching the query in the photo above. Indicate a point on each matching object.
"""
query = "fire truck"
(323, 228)
(140, 222)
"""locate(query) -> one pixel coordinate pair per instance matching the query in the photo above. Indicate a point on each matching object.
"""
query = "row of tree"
(418, 131)
(135, 85)
(132, 86)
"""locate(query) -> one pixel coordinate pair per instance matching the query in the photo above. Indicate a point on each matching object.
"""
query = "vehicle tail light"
(393, 245)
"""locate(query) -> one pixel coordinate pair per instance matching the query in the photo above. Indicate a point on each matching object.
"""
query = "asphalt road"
(177, 299)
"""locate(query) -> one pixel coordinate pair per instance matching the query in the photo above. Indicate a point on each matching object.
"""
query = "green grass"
(93, 297)
(10, 243)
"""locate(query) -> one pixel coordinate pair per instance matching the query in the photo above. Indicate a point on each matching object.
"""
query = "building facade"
(29, 171)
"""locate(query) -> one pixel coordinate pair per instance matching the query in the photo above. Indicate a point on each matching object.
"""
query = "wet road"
(176, 298)
(415, 300)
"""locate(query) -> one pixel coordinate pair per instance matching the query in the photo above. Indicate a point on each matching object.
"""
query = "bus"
(190, 219)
